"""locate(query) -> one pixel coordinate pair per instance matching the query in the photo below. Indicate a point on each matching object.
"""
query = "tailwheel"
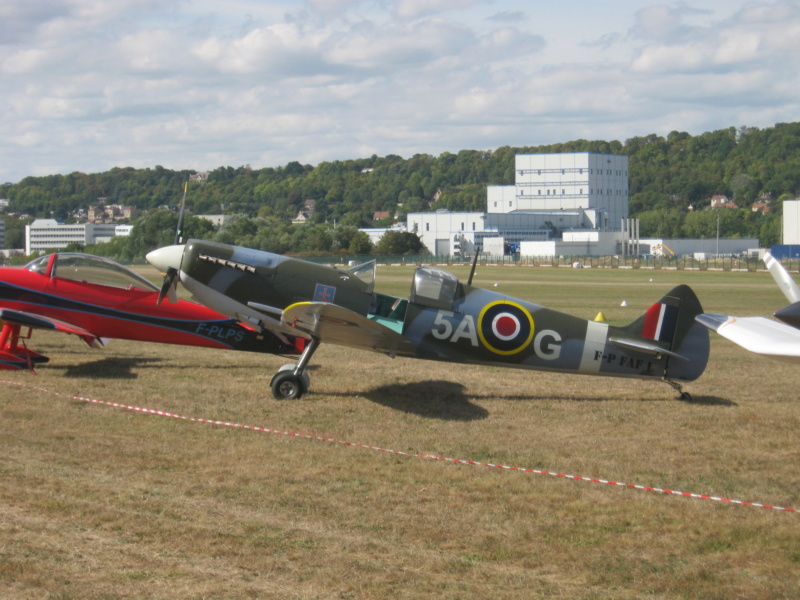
(685, 396)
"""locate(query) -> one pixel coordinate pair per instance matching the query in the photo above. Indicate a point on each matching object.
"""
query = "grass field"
(98, 502)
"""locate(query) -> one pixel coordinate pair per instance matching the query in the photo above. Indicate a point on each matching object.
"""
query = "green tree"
(360, 244)
(398, 243)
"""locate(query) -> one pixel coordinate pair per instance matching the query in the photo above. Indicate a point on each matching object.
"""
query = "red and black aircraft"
(97, 299)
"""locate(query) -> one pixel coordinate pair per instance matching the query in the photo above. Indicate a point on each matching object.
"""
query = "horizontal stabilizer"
(645, 347)
(757, 334)
(26, 319)
(335, 324)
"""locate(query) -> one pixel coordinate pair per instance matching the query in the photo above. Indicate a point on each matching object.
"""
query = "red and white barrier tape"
(648, 488)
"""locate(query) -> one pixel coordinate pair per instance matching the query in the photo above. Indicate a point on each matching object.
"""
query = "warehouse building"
(553, 195)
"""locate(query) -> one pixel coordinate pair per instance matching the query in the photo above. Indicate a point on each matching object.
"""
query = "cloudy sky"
(197, 84)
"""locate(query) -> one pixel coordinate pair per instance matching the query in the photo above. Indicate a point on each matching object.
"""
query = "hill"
(667, 176)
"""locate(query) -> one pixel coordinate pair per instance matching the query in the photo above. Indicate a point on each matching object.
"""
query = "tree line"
(667, 175)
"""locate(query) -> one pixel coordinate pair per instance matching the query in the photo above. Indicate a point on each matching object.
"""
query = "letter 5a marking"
(445, 327)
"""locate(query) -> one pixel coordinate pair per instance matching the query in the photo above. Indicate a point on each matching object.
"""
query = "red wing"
(26, 319)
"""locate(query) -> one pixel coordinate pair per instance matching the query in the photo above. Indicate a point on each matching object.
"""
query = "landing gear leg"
(685, 396)
(290, 384)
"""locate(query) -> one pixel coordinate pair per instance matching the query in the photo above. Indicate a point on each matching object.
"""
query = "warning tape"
(459, 461)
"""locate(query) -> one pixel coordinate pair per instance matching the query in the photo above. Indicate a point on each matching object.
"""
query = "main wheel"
(287, 386)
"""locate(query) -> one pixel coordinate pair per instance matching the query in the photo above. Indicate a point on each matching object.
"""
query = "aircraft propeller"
(169, 285)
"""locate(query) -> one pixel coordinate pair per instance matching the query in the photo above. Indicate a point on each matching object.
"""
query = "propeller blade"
(168, 287)
(179, 231)
(782, 278)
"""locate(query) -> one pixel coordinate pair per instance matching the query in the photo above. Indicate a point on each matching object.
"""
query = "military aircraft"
(97, 299)
(759, 334)
(442, 319)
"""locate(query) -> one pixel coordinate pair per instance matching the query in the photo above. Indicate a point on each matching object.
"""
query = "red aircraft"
(97, 299)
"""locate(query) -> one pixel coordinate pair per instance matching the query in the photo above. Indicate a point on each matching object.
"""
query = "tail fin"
(668, 329)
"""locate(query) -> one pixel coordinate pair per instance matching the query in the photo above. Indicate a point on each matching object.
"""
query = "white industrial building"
(791, 221)
(50, 234)
(596, 185)
(554, 195)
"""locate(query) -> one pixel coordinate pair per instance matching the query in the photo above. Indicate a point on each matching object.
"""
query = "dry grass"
(99, 502)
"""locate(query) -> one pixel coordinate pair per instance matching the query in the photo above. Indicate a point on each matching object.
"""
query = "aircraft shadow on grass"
(710, 401)
(110, 368)
(449, 401)
(443, 400)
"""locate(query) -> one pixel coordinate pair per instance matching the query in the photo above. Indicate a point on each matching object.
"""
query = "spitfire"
(442, 318)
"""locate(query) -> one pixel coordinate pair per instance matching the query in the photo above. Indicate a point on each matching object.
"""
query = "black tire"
(287, 386)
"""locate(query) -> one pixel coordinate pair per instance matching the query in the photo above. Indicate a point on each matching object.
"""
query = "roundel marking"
(505, 327)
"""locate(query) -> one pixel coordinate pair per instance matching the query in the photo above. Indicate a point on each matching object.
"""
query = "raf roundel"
(505, 327)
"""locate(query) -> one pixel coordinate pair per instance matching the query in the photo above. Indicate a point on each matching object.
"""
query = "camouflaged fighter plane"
(442, 319)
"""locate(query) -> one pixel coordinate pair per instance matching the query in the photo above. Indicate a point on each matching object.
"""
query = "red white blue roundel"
(505, 327)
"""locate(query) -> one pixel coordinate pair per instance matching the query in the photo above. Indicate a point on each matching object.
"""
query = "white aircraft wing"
(757, 334)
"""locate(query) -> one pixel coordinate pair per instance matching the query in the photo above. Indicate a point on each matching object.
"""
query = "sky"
(88, 85)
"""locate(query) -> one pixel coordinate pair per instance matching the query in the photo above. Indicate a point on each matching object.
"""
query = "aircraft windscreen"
(96, 270)
(39, 265)
(366, 273)
(434, 287)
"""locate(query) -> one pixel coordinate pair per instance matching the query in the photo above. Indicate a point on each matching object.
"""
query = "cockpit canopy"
(87, 268)
(366, 273)
(434, 288)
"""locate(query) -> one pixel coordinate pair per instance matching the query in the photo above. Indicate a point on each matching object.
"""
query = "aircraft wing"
(27, 319)
(757, 334)
(337, 325)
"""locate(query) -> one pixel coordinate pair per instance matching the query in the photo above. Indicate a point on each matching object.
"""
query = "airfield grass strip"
(318, 438)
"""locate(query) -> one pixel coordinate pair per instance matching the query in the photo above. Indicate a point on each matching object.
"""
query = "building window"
(462, 226)
(509, 204)
(563, 192)
(495, 204)
(473, 226)
(427, 226)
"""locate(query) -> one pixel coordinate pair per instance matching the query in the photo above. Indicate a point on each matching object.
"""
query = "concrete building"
(609, 243)
(791, 222)
(595, 184)
(216, 220)
(553, 194)
(49, 234)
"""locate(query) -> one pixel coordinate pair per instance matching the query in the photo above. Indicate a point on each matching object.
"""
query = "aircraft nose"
(168, 256)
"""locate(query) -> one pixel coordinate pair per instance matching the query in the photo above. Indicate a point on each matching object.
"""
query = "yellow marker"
(600, 318)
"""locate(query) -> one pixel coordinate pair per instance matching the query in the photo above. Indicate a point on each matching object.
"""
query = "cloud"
(411, 9)
(508, 16)
(91, 84)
